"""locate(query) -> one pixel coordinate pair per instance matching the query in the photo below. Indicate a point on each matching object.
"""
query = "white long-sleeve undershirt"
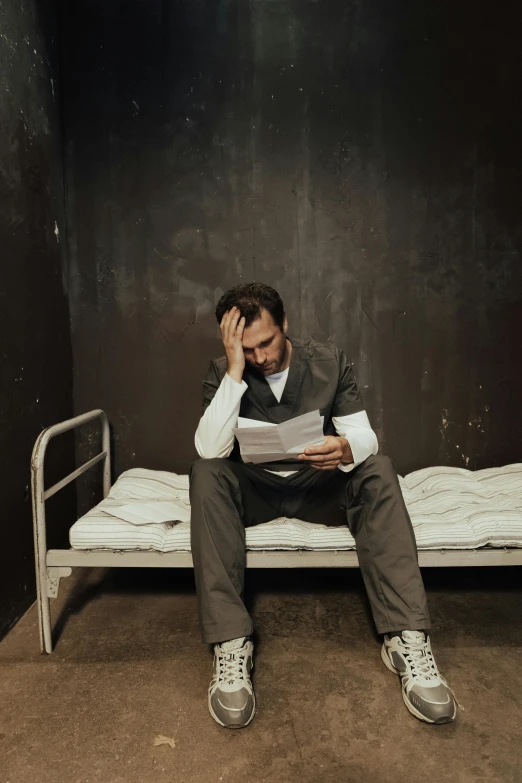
(215, 433)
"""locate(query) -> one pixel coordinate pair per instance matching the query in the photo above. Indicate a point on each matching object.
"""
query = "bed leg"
(44, 623)
(48, 588)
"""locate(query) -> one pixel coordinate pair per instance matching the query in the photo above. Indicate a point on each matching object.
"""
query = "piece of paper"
(274, 442)
(150, 511)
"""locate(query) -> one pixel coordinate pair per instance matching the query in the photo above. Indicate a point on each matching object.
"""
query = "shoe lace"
(422, 663)
(231, 666)
(421, 660)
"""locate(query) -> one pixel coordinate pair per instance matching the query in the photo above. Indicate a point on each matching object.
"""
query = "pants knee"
(378, 471)
(206, 467)
(214, 493)
(379, 463)
(206, 472)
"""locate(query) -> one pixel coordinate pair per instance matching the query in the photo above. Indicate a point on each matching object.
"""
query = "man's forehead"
(259, 330)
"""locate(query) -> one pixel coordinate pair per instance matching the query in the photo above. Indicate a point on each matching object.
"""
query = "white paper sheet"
(274, 442)
(150, 511)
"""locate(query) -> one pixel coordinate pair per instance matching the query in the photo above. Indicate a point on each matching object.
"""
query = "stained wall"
(363, 158)
(35, 348)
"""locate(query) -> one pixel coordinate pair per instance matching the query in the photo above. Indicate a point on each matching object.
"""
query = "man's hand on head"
(334, 451)
(232, 327)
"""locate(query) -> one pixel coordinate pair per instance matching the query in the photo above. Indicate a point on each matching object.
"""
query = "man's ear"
(285, 325)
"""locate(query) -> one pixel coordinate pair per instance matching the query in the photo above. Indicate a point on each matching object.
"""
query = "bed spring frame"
(53, 564)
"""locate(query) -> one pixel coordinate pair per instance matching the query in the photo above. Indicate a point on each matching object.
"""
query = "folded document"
(274, 442)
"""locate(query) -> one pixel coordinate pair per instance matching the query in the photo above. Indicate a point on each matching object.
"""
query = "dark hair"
(251, 298)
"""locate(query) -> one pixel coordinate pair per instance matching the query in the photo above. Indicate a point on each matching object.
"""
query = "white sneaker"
(231, 698)
(426, 693)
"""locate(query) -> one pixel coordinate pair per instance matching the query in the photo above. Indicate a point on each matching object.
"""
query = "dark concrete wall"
(36, 365)
(363, 158)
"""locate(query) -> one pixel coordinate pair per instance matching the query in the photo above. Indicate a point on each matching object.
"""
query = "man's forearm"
(236, 373)
(360, 438)
(215, 433)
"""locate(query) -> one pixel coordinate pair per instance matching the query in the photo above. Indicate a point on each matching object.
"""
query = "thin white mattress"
(451, 508)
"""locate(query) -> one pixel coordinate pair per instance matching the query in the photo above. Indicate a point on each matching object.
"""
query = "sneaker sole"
(389, 665)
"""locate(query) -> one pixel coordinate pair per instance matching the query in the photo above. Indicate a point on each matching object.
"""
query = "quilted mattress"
(450, 508)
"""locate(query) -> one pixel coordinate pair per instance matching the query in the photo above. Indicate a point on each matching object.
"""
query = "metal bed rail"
(428, 558)
(48, 577)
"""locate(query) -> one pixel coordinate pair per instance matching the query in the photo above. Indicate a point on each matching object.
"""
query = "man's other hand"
(232, 326)
(333, 451)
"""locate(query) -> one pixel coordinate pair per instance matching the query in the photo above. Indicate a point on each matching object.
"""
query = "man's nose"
(259, 357)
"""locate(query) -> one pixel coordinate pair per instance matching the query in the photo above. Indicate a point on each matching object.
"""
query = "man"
(267, 377)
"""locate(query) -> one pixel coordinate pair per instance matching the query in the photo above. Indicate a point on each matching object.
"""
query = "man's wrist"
(347, 457)
(236, 374)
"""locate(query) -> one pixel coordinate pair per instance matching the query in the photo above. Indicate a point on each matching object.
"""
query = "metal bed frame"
(53, 564)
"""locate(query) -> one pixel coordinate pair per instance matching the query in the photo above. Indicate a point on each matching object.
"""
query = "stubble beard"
(278, 363)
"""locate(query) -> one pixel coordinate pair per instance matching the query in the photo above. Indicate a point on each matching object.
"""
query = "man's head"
(264, 336)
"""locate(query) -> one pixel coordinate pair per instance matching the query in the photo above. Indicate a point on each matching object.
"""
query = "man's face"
(264, 344)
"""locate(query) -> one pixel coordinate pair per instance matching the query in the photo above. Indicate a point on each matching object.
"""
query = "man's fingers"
(227, 318)
(229, 323)
(230, 326)
(233, 328)
(224, 322)
(319, 457)
(326, 448)
(240, 327)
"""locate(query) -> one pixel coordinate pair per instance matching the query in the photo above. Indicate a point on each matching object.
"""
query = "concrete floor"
(129, 666)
